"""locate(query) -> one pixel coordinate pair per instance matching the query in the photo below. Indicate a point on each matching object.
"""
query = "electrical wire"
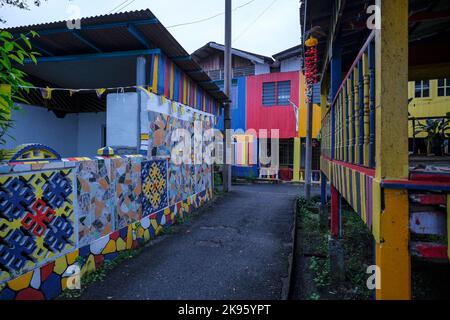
(126, 5)
(122, 5)
(254, 21)
(209, 18)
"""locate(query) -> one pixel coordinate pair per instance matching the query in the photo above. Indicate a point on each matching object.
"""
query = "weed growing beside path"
(313, 281)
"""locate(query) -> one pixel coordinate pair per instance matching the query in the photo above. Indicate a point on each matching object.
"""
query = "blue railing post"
(372, 104)
(336, 78)
(361, 112)
(353, 115)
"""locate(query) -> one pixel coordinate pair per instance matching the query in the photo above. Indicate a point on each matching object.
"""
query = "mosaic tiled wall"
(37, 222)
(48, 281)
(126, 174)
(84, 211)
(95, 200)
(185, 179)
(154, 186)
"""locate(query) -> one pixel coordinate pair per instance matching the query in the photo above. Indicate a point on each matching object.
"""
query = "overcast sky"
(262, 26)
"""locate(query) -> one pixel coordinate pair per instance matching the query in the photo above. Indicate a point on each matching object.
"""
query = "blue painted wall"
(238, 93)
(238, 114)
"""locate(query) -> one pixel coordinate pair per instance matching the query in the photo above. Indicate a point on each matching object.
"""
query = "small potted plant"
(436, 130)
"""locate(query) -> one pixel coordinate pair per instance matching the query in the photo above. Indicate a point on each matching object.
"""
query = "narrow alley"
(238, 248)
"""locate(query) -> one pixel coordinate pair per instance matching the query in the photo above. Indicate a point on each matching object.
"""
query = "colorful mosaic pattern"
(160, 129)
(48, 281)
(96, 200)
(126, 174)
(84, 211)
(154, 186)
(34, 152)
(186, 179)
(36, 219)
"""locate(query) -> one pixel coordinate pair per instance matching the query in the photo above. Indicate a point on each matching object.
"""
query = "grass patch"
(357, 244)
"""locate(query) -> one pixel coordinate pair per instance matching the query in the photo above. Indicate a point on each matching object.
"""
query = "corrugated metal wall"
(273, 117)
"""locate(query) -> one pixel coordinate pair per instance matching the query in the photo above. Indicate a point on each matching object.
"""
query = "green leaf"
(20, 55)
(25, 39)
(15, 58)
(5, 64)
(6, 34)
(8, 46)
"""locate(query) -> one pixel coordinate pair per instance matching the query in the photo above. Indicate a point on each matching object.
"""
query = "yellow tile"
(60, 265)
(110, 247)
(130, 237)
(72, 257)
(21, 282)
(146, 235)
(120, 244)
(89, 266)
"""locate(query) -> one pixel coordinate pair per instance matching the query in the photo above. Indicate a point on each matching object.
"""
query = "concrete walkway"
(236, 248)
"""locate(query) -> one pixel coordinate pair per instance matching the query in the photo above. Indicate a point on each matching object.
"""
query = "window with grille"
(284, 93)
(269, 93)
(444, 87)
(422, 89)
(276, 93)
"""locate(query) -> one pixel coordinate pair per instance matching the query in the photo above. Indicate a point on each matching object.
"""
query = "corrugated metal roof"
(57, 39)
(289, 53)
(212, 46)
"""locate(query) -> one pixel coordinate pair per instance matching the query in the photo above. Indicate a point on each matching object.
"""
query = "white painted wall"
(122, 116)
(37, 125)
(291, 64)
(90, 127)
(262, 68)
(71, 136)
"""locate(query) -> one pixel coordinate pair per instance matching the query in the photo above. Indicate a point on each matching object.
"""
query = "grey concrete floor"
(236, 248)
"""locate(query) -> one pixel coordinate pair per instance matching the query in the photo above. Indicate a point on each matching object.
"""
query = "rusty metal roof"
(118, 32)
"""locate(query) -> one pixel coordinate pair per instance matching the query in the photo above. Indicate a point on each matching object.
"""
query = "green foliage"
(321, 270)
(314, 296)
(357, 243)
(11, 54)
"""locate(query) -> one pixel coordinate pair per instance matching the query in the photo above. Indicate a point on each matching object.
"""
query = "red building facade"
(268, 104)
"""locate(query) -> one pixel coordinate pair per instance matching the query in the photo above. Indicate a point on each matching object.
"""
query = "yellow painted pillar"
(297, 159)
(392, 252)
(391, 43)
